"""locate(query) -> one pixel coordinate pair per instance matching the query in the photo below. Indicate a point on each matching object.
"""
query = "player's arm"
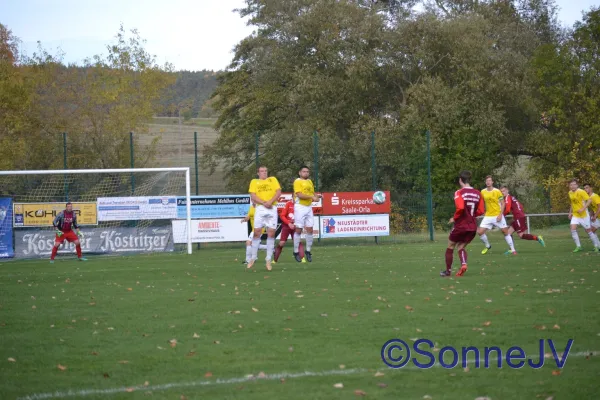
(597, 213)
(75, 224)
(276, 196)
(480, 207)
(502, 207)
(508, 206)
(571, 211)
(298, 191)
(586, 204)
(459, 203)
(57, 223)
(285, 213)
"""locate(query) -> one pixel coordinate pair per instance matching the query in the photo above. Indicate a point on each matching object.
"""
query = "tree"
(566, 144)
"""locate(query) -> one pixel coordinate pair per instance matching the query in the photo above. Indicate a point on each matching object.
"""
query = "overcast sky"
(190, 34)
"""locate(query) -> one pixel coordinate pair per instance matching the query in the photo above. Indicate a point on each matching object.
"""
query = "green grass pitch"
(178, 326)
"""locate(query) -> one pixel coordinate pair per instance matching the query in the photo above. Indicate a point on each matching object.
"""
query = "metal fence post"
(429, 188)
(131, 156)
(373, 171)
(65, 166)
(256, 142)
(316, 158)
(196, 167)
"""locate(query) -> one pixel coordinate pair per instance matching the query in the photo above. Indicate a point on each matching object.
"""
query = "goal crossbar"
(125, 170)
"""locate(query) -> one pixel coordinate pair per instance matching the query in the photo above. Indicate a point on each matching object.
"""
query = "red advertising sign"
(285, 197)
(340, 203)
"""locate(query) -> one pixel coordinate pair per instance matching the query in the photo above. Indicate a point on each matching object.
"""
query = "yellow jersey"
(577, 199)
(265, 189)
(595, 201)
(304, 186)
(492, 202)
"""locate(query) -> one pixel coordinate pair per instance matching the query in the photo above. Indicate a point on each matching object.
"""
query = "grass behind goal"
(171, 326)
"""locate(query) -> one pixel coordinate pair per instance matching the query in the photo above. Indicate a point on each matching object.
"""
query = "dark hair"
(304, 166)
(489, 176)
(504, 187)
(68, 202)
(465, 176)
(574, 180)
(262, 166)
(587, 184)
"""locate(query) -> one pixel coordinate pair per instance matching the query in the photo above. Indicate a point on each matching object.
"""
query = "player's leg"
(72, 238)
(58, 240)
(449, 256)
(285, 233)
(271, 228)
(575, 235)
(259, 223)
(586, 223)
(522, 232)
(308, 220)
(249, 248)
(462, 256)
(299, 222)
(486, 224)
(508, 238)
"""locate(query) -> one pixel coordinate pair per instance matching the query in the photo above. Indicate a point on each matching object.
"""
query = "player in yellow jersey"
(250, 218)
(304, 195)
(264, 192)
(595, 207)
(494, 216)
(578, 214)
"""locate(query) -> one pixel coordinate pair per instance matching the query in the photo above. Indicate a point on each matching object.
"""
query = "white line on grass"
(249, 378)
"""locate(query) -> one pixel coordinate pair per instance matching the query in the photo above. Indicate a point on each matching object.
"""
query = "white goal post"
(63, 174)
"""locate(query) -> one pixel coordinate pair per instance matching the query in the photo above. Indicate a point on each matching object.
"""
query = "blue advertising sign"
(6, 233)
(215, 206)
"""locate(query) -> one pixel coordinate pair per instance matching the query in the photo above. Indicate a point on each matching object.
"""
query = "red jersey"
(469, 205)
(287, 213)
(513, 205)
(65, 221)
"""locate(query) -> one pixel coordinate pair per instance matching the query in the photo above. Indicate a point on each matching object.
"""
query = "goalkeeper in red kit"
(519, 223)
(469, 205)
(63, 223)
(287, 229)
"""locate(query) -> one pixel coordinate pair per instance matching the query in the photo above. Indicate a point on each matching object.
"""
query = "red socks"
(78, 248)
(462, 254)
(449, 257)
(527, 236)
(278, 249)
(54, 251)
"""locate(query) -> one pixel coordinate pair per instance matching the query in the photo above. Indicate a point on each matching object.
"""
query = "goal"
(120, 211)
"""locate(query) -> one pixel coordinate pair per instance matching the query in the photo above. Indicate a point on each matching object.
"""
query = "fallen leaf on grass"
(375, 311)
(146, 383)
(556, 327)
(408, 308)
(359, 392)
(182, 397)
(379, 374)
(191, 354)
(556, 372)
(94, 353)
(216, 342)
(196, 336)
(342, 366)
(123, 362)
(129, 390)
(354, 315)
(487, 323)
(482, 398)
(105, 375)
(129, 289)
(540, 327)
(488, 300)
(208, 375)
(261, 375)
(61, 367)
(254, 309)
(339, 386)
(11, 359)
(323, 315)
(382, 385)
(173, 342)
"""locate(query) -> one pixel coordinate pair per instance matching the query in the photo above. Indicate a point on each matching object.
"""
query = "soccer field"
(201, 326)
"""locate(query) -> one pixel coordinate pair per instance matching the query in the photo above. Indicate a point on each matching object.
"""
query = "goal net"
(119, 211)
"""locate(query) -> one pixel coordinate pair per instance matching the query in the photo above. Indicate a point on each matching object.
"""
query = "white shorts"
(490, 222)
(303, 216)
(596, 223)
(585, 222)
(265, 217)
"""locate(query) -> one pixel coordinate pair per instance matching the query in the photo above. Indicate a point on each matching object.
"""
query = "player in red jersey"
(63, 223)
(519, 223)
(287, 229)
(469, 204)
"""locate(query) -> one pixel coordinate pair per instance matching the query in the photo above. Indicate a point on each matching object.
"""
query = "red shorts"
(520, 225)
(69, 236)
(462, 236)
(286, 232)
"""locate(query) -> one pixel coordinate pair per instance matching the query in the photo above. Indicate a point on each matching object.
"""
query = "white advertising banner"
(355, 225)
(136, 208)
(211, 230)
